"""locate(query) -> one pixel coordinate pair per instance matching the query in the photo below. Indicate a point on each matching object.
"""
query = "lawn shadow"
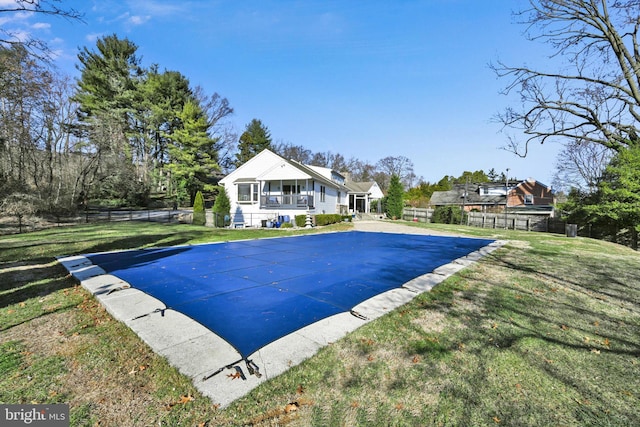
(25, 276)
(559, 321)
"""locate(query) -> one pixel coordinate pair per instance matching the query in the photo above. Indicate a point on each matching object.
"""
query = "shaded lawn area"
(543, 332)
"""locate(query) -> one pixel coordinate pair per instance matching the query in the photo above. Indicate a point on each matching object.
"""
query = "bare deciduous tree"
(594, 94)
(15, 36)
(401, 166)
(580, 165)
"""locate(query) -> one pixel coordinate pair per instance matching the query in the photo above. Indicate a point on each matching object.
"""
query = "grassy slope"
(543, 332)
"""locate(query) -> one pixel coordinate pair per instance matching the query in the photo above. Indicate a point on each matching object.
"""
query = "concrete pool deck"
(208, 360)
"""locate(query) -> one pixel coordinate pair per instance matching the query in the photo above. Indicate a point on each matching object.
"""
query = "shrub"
(286, 225)
(326, 219)
(20, 205)
(300, 220)
(447, 215)
(221, 208)
(199, 216)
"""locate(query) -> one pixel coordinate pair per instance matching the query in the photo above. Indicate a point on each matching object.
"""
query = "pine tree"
(253, 140)
(192, 152)
(199, 216)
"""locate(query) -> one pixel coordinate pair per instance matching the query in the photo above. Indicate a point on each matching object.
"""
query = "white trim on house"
(270, 188)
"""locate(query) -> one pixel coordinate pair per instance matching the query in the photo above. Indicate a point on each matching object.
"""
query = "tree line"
(120, 133)
(123, 131)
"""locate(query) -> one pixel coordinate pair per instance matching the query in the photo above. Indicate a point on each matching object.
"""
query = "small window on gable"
(528, 199)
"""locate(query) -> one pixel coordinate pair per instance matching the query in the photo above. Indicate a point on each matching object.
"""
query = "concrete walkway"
(207, 359)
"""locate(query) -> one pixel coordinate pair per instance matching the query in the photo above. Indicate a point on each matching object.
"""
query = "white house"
(270, 188)
(364, 196)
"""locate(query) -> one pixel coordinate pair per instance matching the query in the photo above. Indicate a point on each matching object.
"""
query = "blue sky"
(367, 79)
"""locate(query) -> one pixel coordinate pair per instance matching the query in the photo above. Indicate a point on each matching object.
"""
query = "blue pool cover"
(254, 292)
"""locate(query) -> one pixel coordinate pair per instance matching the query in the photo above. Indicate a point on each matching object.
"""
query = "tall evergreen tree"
(162, 98)
(107, 91)
(395, 195)
(253, 140)
(193, 158)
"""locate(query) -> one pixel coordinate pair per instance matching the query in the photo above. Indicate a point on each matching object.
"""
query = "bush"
(286, 225)
(221, 208)
(199, 216)
(326, 219)
(300, 220)
(447, 215)
(20, 205)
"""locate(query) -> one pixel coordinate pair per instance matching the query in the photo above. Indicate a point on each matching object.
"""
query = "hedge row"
(322, 219)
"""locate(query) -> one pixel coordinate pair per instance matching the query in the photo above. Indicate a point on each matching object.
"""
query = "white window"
(247, 193)
(323, 193)
(528, 199)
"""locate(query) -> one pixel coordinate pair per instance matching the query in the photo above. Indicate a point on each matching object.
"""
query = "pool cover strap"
(157, 310)
(251, 367)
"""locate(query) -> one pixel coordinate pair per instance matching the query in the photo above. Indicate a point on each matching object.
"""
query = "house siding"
(541, 194)
(271, 173)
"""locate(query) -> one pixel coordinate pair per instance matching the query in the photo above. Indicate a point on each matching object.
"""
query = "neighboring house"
(269, 187)
(490, 197)
(531, 193)
(364, 196)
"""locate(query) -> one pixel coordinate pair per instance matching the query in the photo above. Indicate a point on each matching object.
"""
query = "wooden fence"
(512, 221)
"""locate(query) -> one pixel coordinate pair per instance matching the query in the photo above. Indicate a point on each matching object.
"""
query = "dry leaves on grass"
(184, 399)
(138, 369)
(280, 415)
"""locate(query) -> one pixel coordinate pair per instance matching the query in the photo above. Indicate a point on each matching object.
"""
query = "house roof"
(534, 182)
(456, 197)
(277, 167)
(359, 187)
(316, 175)
(474, 196)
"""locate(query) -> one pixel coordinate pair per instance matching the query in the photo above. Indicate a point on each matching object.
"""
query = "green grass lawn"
(545, 331)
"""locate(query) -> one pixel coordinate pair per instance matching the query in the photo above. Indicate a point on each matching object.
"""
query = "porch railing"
(286, 201)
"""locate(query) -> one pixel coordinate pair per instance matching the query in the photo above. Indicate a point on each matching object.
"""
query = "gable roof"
(269, 166)
(456, 197)
(369, 187)
(533, 182)
(474, 196)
